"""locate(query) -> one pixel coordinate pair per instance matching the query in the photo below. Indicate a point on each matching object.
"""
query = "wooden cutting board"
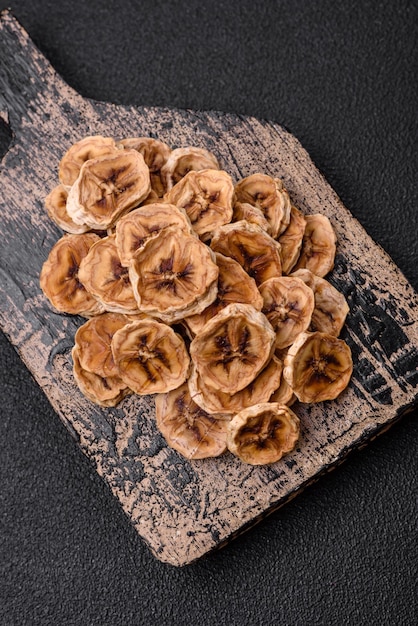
(185, 509)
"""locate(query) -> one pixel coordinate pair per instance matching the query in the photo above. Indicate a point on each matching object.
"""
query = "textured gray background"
(342, 77)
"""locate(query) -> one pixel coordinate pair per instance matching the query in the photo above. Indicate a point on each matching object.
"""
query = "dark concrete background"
(342, 77)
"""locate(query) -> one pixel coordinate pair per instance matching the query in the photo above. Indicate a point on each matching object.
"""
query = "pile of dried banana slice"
(209, 294)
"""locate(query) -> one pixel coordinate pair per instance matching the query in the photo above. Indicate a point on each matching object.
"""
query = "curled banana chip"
(155, 155)
(251, 214)
(318, 246)
(331, 307)
(56, 206)
(251, 247)
(187, 427)
(263, 434)
(174, 275)
(269, 195)
(291, 240)
(234, 285)
(104, 391)
(150, 356)
(107, 188)
(184, 160)
(106, 279)
(233, 347)
(288, 304)
(59, 279)
(134, 229)
(206, 197)
(318, 367)
(87, 148)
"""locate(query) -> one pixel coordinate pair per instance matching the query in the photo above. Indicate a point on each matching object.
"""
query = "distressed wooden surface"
(185, 509)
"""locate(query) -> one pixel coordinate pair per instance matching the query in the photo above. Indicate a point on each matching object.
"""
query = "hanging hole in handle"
(6, 134)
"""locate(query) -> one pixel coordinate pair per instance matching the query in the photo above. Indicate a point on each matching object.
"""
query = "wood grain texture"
(185, 509)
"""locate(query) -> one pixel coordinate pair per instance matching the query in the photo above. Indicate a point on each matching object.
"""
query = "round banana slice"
(216, 402)
(251, 214)
(288, 304)
(183, 160)
(234, 285)
(291, 240)
(93, 341)
(155, 155)
(318, 367)
(134, 229)
(206, 197)
(251, 247)
(102, 275)
(105, 391)
(318, 246)
(56, 206)
(107, 188)
(174, 275)
(263, 433)
(233, 347)
(187, 428)
(59, 276)
(87, 148)
(331, 307)
(150, 356)
(269, 195)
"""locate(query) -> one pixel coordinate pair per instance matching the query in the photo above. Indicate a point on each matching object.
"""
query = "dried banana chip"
(233, 347)
(217, 403)
(291, 240)
(251, 247)
(107, 188)
(87, 148)
(288, 305)
(263, 433)
(155, 155)
(184, 160)
(331, 307)
(134, 229)
(59, 276)
(234, 285)
(150, 356)
(56, 206)
(174, 275)
(251, 214)
(318, 246)
(102, 275)
(104, 391)
(187, 427)
(206, 196)
(269, 195)
(318, 367)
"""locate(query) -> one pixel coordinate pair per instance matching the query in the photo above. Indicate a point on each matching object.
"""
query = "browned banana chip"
(291, 240)
(102, 275)
(134, 229)
(174, 275)
(206, 196)
(288, 306)
(93, 340)
(233, 347)
(107, 188)
(331, 307)
(184, 160)
(318, 246)
(234, 285)
(318, 367)
(150, 356)
(56, 206)
(269, 195)
(187, 428)
(217, 403)
(155, 155)
(59, 276)
(104, 391)
(263, 433)
(251, 247)
(80, 152)
(251, 214)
